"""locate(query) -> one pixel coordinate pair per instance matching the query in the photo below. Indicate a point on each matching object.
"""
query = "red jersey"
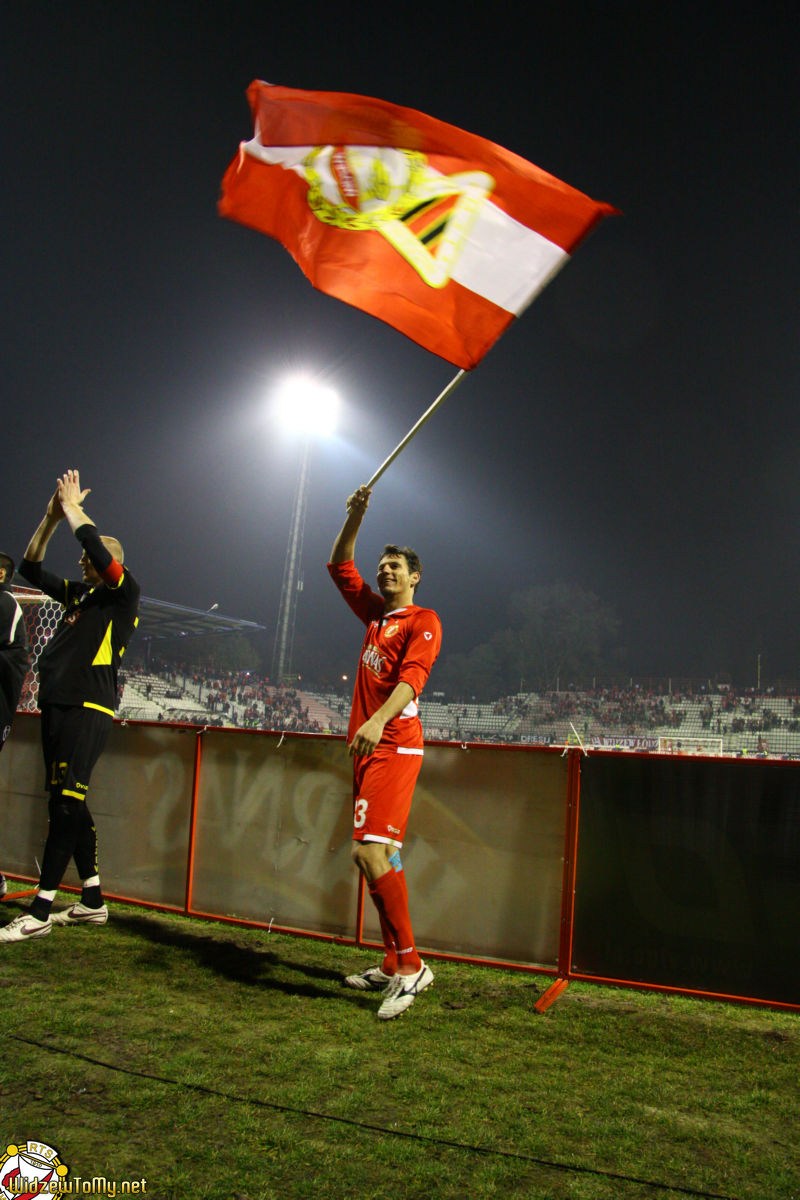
(399, 647)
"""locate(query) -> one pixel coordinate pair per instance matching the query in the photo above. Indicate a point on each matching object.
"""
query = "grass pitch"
(202, 1061)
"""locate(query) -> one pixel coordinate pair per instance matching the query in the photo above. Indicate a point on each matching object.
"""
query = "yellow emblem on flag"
(425, 215)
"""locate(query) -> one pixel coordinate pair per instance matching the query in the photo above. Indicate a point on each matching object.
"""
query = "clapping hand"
(68, 490)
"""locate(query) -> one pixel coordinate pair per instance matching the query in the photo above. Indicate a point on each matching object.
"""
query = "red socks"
(389, 964)
(390, 897)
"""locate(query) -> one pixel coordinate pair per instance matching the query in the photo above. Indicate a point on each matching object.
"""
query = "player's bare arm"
(45, 529)
(367, 737)
(344, 546)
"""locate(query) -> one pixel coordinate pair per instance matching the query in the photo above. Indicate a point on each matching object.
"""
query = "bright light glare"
(305, 406)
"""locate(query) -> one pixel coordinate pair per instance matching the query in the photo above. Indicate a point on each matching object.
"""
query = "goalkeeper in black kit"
(77, 696)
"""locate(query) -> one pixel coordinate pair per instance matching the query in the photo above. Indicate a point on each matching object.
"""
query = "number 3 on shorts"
(359, 813)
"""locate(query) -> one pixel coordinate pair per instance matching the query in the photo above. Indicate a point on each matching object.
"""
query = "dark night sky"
(637, 431)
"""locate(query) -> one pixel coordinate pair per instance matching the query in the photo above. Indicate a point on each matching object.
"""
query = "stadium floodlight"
(304, 406)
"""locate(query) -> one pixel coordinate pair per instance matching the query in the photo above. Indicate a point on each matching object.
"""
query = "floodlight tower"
(306, 407)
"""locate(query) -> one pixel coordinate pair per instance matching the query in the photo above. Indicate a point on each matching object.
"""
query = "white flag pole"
(451, 387)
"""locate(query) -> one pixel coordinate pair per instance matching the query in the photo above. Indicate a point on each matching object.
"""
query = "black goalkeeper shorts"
(73, 739)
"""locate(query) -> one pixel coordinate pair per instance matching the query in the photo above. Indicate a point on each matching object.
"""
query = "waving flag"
(440, 233)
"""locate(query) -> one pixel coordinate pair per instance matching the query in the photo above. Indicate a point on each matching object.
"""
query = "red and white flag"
(440, 233)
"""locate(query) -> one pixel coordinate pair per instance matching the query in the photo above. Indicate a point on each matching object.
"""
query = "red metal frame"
(696, 993)
(198, 757)
(572, 822)
(563, 974)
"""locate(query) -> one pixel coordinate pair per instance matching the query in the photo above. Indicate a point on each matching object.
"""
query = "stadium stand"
(149, 697)
(688, 718)
(625, 717)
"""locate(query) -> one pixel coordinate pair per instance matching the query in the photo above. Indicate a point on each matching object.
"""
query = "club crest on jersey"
(391, 630)
(373, 660)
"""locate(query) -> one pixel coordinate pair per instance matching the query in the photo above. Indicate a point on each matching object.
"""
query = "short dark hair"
(411, 557)
(7, 561)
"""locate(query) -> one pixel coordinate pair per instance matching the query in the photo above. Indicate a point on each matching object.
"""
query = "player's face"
(90, 576)
(394, 577)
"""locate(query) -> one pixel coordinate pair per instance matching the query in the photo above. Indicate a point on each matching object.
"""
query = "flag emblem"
(426, 216)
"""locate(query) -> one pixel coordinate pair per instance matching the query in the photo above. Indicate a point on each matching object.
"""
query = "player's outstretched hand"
(69, 489)
(358, 503)
(54, 509)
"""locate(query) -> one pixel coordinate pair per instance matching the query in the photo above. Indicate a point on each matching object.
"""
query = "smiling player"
(385, 740)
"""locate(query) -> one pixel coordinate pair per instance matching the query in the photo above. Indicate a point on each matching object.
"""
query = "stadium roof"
(160, 619)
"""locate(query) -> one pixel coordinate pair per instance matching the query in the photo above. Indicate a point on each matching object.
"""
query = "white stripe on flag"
(505, 261)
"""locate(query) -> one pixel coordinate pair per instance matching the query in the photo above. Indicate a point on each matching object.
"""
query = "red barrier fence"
(672, 873)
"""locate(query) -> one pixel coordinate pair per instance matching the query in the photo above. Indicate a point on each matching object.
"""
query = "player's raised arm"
(78, 690)
(103, 554)
(344, 547)
(71, 497)
(37, 546)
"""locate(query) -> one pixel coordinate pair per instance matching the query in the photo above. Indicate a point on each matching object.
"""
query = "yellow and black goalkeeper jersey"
(79, 664)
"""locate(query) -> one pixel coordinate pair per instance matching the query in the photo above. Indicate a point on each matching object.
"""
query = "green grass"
(219, 1062)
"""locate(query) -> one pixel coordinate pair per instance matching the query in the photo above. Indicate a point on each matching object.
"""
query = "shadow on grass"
(251, 966)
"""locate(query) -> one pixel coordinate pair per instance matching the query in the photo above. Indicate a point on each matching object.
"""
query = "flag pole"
(451, 387)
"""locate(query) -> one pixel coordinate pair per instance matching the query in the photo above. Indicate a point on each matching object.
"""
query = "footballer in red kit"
(399, 646)
(384, 738)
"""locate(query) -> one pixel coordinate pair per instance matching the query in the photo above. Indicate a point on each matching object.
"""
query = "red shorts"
(383, 786)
